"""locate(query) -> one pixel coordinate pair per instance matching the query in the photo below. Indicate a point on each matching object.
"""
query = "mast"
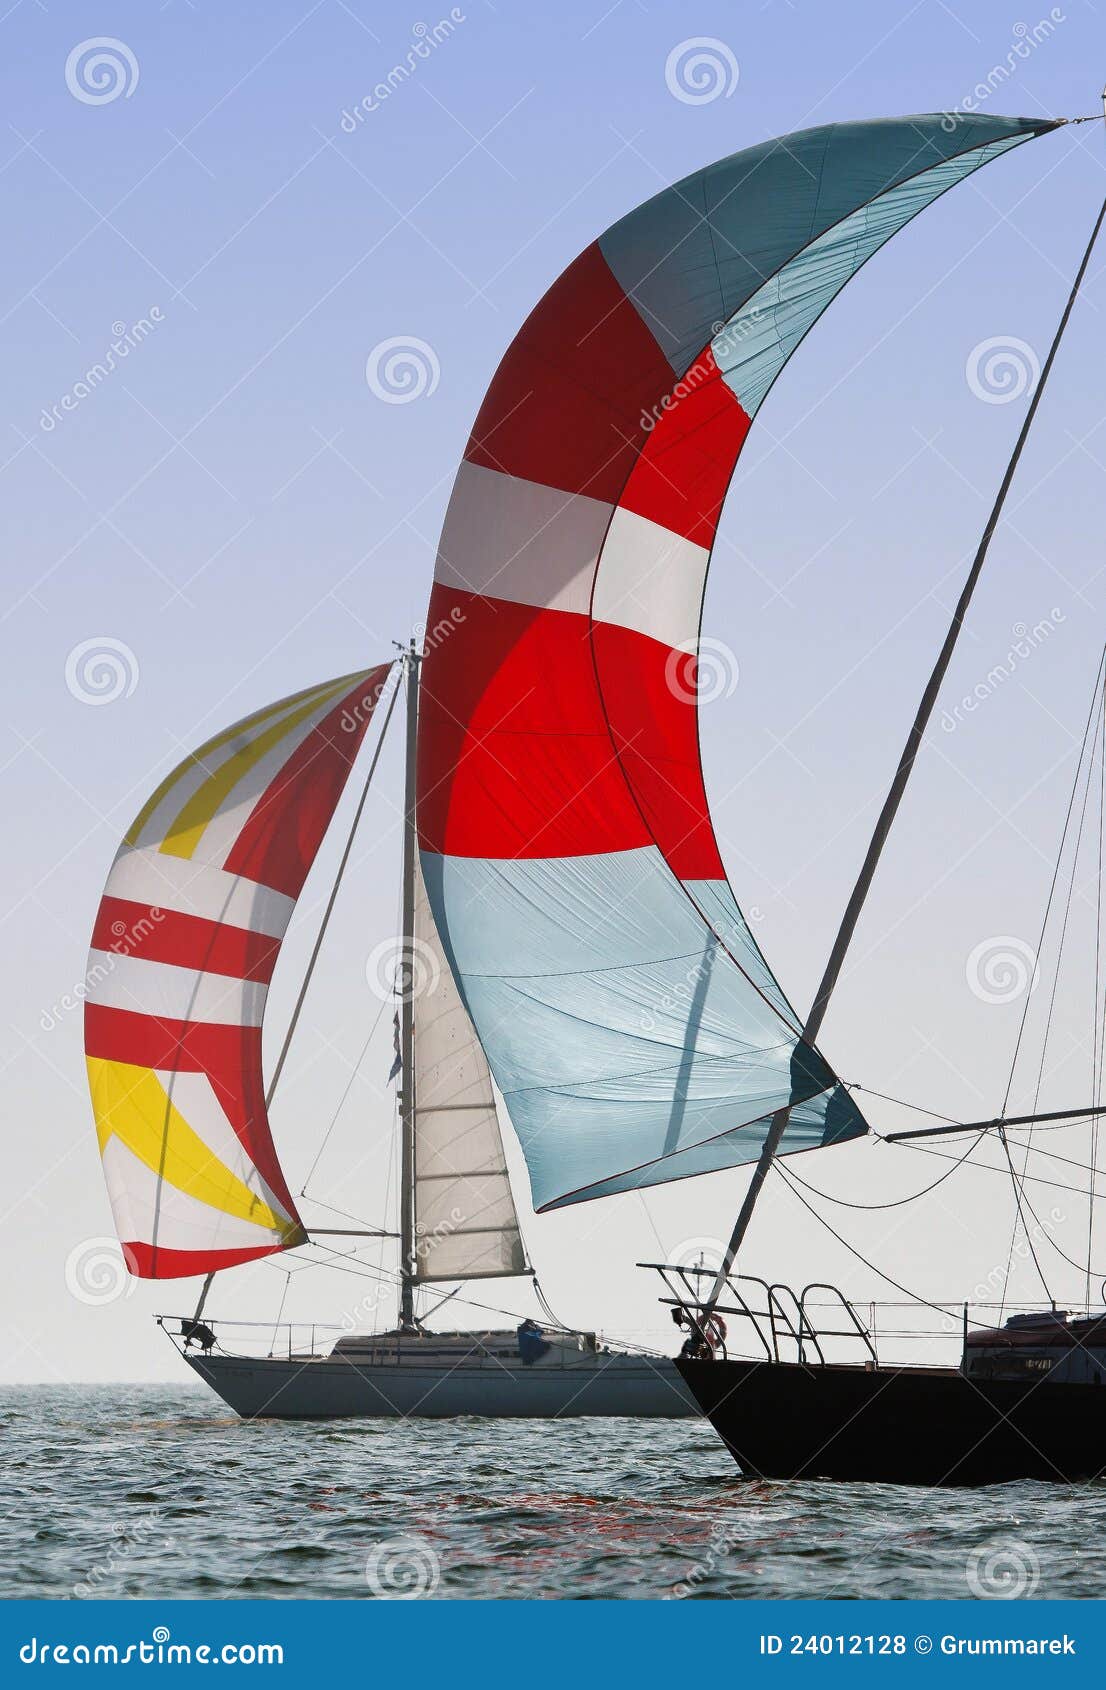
(898, 786)
(407, 1263)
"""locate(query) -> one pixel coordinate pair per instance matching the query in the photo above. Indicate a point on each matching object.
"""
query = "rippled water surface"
(152, 1491)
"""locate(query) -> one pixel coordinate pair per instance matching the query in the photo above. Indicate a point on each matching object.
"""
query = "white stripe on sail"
(650, 580)
(147, 876)
(175, 994)
(147, 1210)
(517, 540)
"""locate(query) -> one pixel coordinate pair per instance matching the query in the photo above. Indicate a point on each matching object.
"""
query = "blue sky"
(236, 509)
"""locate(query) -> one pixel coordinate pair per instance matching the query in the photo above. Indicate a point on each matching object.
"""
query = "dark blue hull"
(908, 1425)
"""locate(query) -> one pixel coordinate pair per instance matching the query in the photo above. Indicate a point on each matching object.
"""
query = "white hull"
(441, 1378)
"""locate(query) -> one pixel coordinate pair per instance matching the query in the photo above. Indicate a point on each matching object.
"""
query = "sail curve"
(629, 1016)
(186, 938)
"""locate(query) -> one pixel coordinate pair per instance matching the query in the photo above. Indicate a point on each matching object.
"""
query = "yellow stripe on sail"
(217, 742)
(132, 1104)
(205, 803)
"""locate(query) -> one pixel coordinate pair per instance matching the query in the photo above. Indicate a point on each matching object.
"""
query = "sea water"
(156, 1492)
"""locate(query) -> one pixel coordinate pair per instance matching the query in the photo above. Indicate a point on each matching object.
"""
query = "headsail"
(631, 1021)
(465, 1221)
(187, 935)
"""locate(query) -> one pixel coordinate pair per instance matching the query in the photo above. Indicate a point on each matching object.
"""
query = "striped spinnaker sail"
(186, 938)
(629, 1016)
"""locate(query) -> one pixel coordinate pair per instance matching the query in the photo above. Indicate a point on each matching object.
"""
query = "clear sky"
(238, 514)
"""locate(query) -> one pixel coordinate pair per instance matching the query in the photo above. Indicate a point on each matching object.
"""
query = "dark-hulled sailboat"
(629, 1016)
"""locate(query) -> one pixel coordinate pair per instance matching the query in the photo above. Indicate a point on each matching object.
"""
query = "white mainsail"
(466, 1226)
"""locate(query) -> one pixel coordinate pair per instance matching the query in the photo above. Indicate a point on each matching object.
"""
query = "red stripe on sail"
(154, 934)
(151, 1041)
(153, 1261)
(515, 756)
(686, 462)
(649, 693)
(282, 835)
(566, 404)
(229, 1056)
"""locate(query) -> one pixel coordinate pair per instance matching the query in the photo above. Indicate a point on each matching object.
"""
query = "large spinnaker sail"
(186, 938)
(466, 1226)
(629, 1017)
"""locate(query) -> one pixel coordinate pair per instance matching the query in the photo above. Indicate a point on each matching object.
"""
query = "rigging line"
(543, 1301)
(348, 1261)
(331, 901)
(914, 1296)
(1092, 714)
(1046, 1234)
(898, 1202)
(354, 1071)
(1001, 1173)
(280, 1310)
(1056, 871)
(345, 1214)
(857, 900)
(1098, 1044)
(341, 1263)
(1060, 950)
(1067, 913)
(870, 1091)
(1019, 1198)
(1054, 1156)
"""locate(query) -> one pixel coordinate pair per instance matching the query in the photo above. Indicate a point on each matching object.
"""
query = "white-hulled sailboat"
(186, 939)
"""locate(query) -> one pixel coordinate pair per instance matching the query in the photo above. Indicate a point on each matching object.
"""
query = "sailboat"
(632, 1022)
(186, 939)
